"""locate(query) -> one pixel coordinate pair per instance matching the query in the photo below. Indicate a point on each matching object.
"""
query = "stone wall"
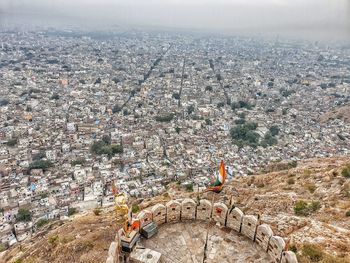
(234, 218)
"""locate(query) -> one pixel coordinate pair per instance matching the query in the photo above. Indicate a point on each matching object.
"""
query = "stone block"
(263, 235)
(204, 210)
(219, 213)
(188, 209)
(159, 214)
(234, 219)
(173, 211)
(289, 257)
(145, 217)
(249, 224)
(276, 247)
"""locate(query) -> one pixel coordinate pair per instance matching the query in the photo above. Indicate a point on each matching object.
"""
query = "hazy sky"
(317, 18)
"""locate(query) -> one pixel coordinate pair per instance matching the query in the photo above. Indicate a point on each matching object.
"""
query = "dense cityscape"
(80, 111)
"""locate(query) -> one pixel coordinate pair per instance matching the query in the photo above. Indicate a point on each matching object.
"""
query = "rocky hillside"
(307, 202)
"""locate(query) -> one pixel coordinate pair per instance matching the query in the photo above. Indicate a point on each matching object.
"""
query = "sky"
(324, 19)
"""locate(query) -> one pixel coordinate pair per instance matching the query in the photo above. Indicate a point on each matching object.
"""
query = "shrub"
(53, 239)
(189, 187)
(291, 181)
(307, 173)
(135, 208)
(42, 222)
(97, 211)
(347, 214)
(2, 248)
(292, 164)
(346, 172)
(301, 208)
(312, 252)
(315, 206)
(293, 248)
(72, 211)
(311, 187)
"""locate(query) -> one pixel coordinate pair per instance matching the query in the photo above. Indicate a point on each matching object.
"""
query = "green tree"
(274, 130)
(190, 109)
(117, 148)
(24, 215)
(72, 211)
(11, 142)
(40, 164)
(106, 139)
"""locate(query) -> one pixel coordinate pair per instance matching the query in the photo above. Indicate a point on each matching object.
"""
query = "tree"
(116, 108)
(117, 149)
(55, 97)
(39, 156)
(176, 96)
(220, 104)
(274, 130)
(106, 139)
(40, 164)
(190, 109)
(24, 215)
(165, 118)
(177, 129)
(72, 211)
(11, 142)
(209, 88)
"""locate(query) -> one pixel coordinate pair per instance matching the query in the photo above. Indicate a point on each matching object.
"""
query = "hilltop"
(305, 202)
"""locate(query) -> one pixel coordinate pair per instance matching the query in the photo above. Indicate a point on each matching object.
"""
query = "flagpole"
(208, 228)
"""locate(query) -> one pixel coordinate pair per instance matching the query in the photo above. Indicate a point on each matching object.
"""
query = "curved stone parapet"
(234, 218)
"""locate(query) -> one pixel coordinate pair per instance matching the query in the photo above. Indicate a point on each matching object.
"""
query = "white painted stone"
(159, 214)
(234, 219)
(173, 211)
(263, 235)
(145, 217)
(276, 247)
(188, 209)
(113, 249)
(249, 224)
(204, 210)
(219, 213)
(289, 257)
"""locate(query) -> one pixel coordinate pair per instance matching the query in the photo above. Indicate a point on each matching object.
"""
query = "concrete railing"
(248, 225)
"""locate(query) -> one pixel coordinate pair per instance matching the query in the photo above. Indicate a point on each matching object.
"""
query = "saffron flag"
(114, 188)
(218, 184)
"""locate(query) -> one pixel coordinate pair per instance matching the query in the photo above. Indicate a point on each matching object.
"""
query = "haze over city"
(312, 19)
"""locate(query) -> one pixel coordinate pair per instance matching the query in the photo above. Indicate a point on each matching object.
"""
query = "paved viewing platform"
(185, 242)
